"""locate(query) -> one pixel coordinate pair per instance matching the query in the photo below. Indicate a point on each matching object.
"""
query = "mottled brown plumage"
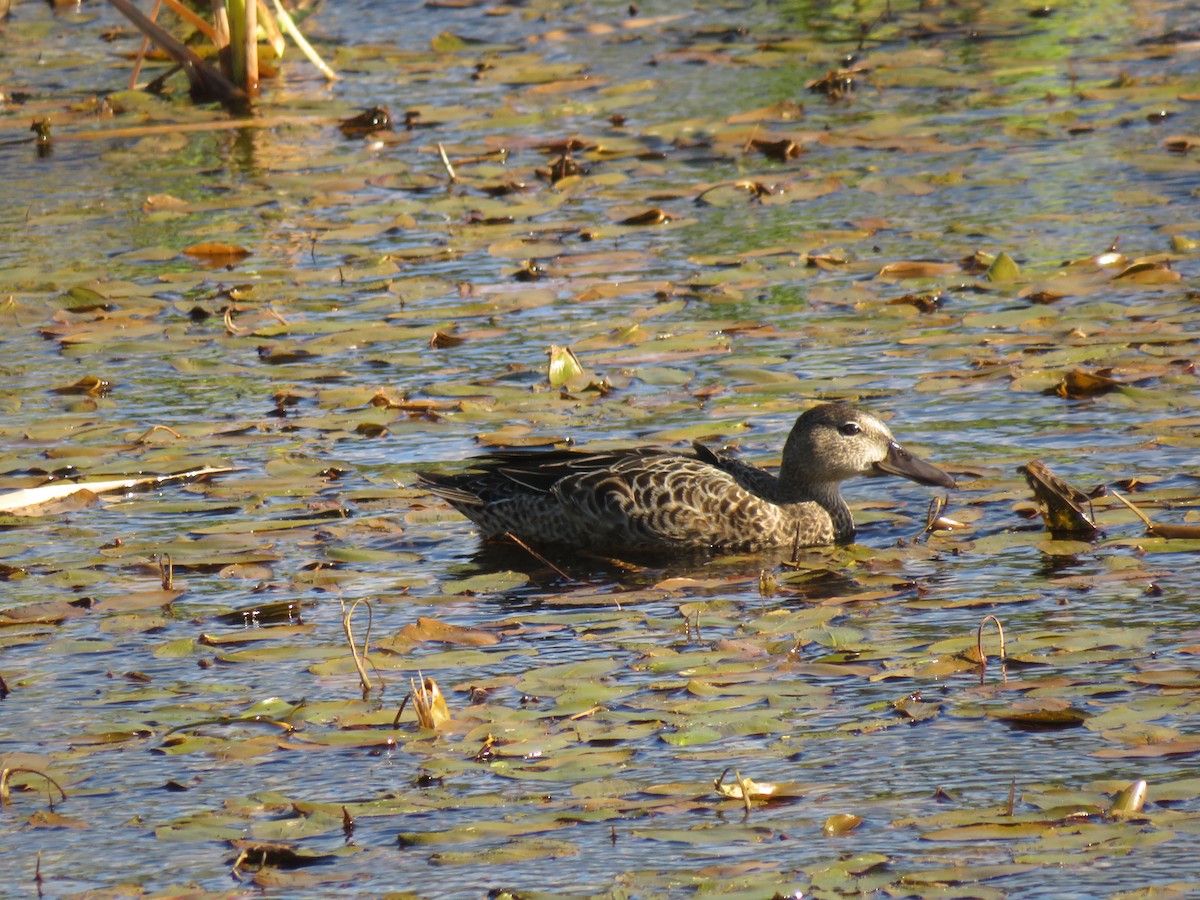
(655, 499)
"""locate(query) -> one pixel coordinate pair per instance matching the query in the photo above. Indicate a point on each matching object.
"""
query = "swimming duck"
(655, 499)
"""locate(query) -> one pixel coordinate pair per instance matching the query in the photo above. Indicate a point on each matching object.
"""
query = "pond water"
(378, 319)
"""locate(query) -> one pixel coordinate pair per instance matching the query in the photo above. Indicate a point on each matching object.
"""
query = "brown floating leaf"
(842, 823)
(377, 118)
(271, 632)
(9, 573)
(1181, 747)
(782, 150)
(43, 818)
(928, 302)
(1079, 384)
(836, 83)
(1061, 505)
(440, 340)
(163, 202)
(915, 709)
(1148, 271)
(442, 632)
(649, 217)
(88, 385)
(1043, 296)
(1163, 531)
(917, 269)
(257, 855)
(748, 791)
(160, 599)
(563, 167)
(1039, 714)
(530, 271)
(217, 252)
(47, 612)
(743, 788)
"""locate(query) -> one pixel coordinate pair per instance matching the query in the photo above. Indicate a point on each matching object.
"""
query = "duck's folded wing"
(542, 470)
(684, 500)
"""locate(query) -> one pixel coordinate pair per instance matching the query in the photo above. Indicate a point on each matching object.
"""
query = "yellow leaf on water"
(1129, 801)
(216, 250)
(917, 269)
(842, 823)
(564, 366)
(743, 788)
(442, 632)
(429, 704)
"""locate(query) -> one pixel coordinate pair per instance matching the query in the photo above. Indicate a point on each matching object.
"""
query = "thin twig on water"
(524, 546)
(446, 163)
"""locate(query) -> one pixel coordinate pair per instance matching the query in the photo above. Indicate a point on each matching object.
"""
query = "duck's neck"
(827, 494)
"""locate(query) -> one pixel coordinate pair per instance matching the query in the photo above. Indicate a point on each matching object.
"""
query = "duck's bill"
(900, 462)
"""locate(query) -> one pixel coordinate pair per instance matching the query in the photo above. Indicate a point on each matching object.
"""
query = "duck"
(656, 499)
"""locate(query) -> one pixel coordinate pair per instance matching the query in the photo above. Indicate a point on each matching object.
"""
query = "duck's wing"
(542, 470)
(751, 477)
(503, 474)
(687, 500)
(556, 496)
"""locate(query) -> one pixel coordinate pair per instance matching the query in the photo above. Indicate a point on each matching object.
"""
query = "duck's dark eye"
(850, 429)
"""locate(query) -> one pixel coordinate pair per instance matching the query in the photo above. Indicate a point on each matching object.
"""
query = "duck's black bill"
(900, 462)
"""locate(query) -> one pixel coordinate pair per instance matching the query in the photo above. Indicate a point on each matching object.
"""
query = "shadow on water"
(812, 575)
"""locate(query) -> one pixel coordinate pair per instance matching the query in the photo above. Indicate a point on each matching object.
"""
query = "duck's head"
(835, 441)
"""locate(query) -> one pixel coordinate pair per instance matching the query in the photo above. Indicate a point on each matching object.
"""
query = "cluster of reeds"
(236, 29)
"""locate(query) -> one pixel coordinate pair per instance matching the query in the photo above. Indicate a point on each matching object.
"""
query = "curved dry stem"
(744, 786)
(286, 22)
(232, 329)
(143, 48)
(979, 638)
(347, 627)
(937, 506)
(166, 571)
(400, 711)
(1137, 512)
(6, 776)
